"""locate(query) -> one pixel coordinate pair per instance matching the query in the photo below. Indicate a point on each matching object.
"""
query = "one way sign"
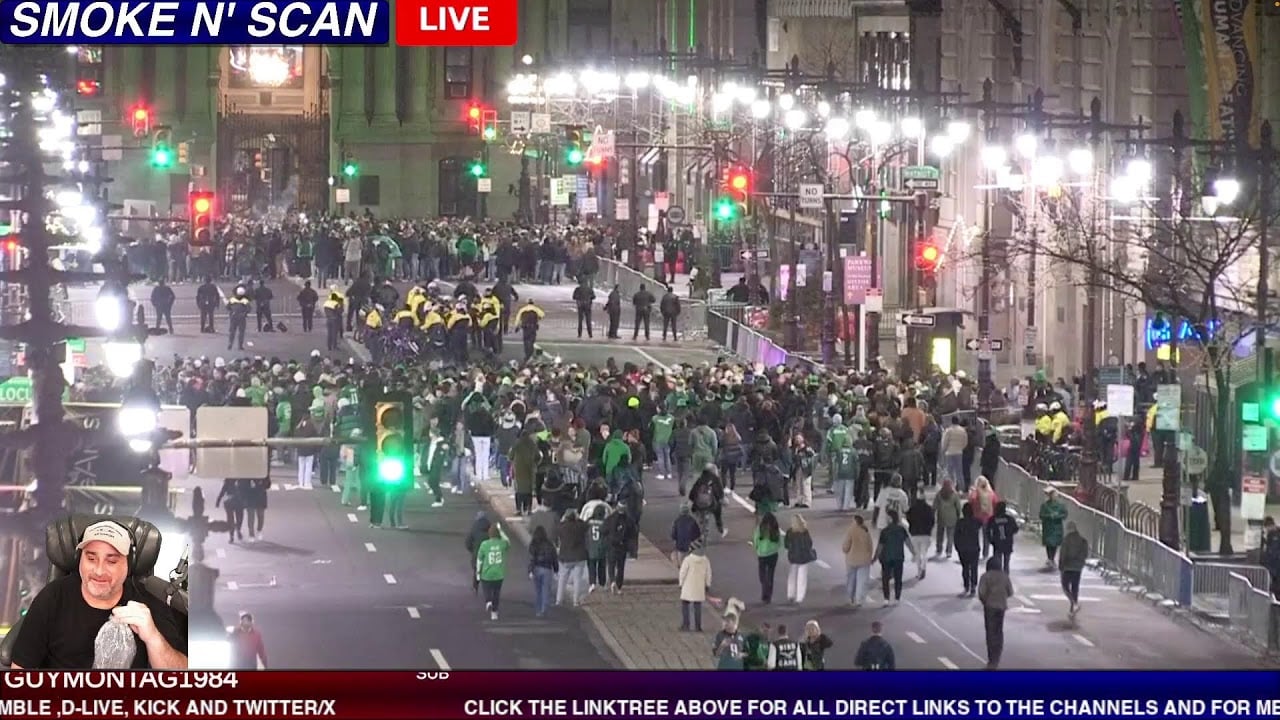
(974, 344)
(916, 320)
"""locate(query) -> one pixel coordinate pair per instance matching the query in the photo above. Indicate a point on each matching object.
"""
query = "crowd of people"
(909, 462)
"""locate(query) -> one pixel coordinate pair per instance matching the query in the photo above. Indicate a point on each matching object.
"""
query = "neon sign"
(1160, 332)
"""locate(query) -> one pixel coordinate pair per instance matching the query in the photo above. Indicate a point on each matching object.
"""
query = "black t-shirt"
(59, 629)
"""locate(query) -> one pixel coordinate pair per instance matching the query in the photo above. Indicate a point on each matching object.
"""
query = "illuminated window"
(266, 67)
(457, 72)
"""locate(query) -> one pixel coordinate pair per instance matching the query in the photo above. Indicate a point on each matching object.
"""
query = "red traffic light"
(739, 182)
(202, 205)
(928, 256)
(474, 112)
(141, 114)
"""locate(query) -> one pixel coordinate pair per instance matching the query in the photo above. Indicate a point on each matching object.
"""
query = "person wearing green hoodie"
(491, 567)
(838, 438)
(767, 541)
(616, 454)
(663, 424)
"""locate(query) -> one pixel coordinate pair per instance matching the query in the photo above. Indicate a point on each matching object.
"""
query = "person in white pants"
(481, 445)
(306, 463)
(800, 554)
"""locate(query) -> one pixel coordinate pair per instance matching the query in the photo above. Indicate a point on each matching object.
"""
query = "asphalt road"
(932, 628)
(558, 336)
(330, 592)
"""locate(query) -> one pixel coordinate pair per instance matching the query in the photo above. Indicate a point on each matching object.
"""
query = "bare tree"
(1196, 267)
(829, 43)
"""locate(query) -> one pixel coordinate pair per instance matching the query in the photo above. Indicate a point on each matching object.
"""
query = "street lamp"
(994, 157)
(137, 422)
(912, 128)
(1226, 190)
(837, 129)
(760, 109)
(111, 309)
(1026, 145)
(1080, 160)
(122, 357)
(941, 145)
(795, 119)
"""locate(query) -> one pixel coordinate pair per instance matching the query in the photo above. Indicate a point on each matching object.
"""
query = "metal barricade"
(1253, 613)
(693, 313)
(1210, 578)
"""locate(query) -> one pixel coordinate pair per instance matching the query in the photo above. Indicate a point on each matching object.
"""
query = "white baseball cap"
(109, 532)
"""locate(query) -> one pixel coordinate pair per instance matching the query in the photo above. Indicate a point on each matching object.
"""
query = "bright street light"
(1026, 145)
(786, 101)
(1139, 170)
(135, 420)
(824, 109)
(912, 127)
(1124, 189)
(837, 128)
(795, 118)
(1080, 160)
(1046, 171)
(1226, 190)
(994, 157)
(122, 356)
(92, 238)
(881, 132)
(958, 131)
(864, 119)
(760, 109)
(941, 145)
(109, 312)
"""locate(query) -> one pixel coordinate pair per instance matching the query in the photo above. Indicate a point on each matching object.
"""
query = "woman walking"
(767, 540)
(491, 567)
(800, 552)
(814, 646)
(695, 578)
(994, 591)
(544, 564)
(858, 553)
(892, 554)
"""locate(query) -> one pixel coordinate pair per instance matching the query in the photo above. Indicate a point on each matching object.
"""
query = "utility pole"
(1089, 457)
(985, 381)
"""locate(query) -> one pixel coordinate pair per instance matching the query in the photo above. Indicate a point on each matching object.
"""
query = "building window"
(266, 67)
(884, 60)
(457, 72)
(370, 190)
(590, 28)
(457, 190)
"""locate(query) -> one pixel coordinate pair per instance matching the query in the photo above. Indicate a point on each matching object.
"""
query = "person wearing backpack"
(767, 540)
(875, 653)
(681, 450)
(706, 497)
(732, 455)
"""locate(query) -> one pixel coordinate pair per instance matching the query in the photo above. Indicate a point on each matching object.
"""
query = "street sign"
(15, 391)
(760, 254)
(519, 122)
(1196, 461)
(974, 344)
(920, 177)
(1253, 497)
(342, 195)
(913, 320)
(540, 123)
(484, 185)
(676, 215)
(811, 195)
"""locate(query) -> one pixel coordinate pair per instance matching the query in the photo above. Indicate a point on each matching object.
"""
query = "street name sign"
(914, 320)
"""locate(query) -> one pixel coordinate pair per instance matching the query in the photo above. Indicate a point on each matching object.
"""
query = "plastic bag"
(114, 647)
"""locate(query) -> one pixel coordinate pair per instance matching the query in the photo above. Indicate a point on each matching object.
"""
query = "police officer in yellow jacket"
(459, 327)
(1061, 423)
(527, 318)
(238, 306)
(1044, 424)
(434, 326)
(373, 324)
(333, 309)
(490, 323)
(405, 319)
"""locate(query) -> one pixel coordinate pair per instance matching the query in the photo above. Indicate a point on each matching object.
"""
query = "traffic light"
(928, 256)
(725, 209)
(489, 122)
(162, 154)
(87, 87)
(393, 433)
(140, 116)
(201, 206)
(574, 152)
(475, 118)
(350, 168)
(476, 169)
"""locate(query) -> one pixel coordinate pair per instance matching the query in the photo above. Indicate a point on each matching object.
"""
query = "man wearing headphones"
(62, 626)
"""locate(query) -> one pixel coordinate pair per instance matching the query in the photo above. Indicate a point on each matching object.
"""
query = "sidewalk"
(1149, 488)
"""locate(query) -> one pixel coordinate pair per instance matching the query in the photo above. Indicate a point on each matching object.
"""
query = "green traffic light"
(1272, 407)
(350, 170)
(391, 470)
(490, 133)
(162, 157)
(477, 170)
(575, 156)
(725, 210)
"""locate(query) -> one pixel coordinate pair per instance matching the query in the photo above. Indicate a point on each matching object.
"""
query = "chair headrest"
(63, 534)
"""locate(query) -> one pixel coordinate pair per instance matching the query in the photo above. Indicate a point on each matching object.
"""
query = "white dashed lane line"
(1082, 640)
(822, 564)
(391, 579)
(915, 638)
(370, 547)
(220, 552)
(439, 658)
(233, 585)
(413, 613)
(946, 663)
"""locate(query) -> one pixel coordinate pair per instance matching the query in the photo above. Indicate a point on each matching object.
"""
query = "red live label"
(457, 22)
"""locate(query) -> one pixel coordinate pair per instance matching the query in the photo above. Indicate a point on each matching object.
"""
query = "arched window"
(457, 190)
(266, 67)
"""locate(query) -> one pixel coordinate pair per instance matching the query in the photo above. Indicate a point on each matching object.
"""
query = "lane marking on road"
(1024, 600)
(1063, 598)
(420, 485)
(413, 613)
(1025, 610)
(946, 663)
(744, 502)
(439, 658)
(233, 585)
(1082, 640)
(647, 356)
(915, 638)
(944, 631)
(513, 518)
(370, 547)
(335, 488)
(351, 517)
(822, 564)
(220, 552)
(391, 579)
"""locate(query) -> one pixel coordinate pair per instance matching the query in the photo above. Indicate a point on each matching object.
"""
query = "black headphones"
(130, 559)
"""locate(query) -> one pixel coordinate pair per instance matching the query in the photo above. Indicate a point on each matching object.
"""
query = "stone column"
(384, 77)
(420, 83)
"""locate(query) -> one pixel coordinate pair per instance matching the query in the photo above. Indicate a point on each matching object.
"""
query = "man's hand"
(138, 617)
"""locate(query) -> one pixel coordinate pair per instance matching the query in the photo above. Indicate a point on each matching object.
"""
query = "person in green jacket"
(838, 438)
(616, 454)
(1053, 514)
(491, 567)
(767, 540)
(892, 554)
(663, 423)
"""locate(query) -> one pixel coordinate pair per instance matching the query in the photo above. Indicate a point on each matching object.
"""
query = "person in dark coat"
(991, 457)
(1000, 531)
(685, 531)
(875, 653)
(968, 548)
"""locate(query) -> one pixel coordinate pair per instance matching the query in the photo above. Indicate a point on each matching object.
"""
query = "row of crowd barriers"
(1235, 594)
